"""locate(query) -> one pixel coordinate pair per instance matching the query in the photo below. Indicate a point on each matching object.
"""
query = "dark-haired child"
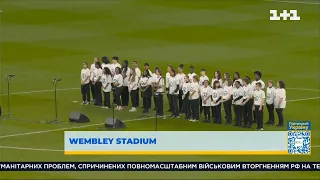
(85, 83)
(257, 77)
(216, 102)
(202, 78)
(259, 97)
(280, 101)
(270, 102)
(180, 75)
(106, 80)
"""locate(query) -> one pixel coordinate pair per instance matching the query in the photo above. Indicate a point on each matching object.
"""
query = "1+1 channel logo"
(291, 15)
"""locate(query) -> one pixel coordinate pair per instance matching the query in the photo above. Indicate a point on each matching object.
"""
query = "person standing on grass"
(185, 97)
(118, 88)
(114, 65)
(247, 103)
(159, 90)
(280, 101)
(145, 85)
(174, 86)
(206, 95)
(237, 96)
(194, 99)
(270, 102)
(217, 77)
(138, 74)
(168, 76)
(226, 99)
(180, 75)
(85, 84)
(191, 73)
(226, 79)
(203, 78)
(236, 77)
(146, 67)
(92, 71)
(154, 77)
(106, 80)
(125, 71)
(257, 77)
(105, 62)
(259, 97)
(216, 102)
(97, 84)
(133, 90)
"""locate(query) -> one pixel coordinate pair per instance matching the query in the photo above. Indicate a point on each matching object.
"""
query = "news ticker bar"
(159, 166)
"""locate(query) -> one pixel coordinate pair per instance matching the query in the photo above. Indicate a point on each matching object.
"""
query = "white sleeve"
(263, 96)
(282, 93)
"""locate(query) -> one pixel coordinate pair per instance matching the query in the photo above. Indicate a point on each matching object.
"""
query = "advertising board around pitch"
(175, 143)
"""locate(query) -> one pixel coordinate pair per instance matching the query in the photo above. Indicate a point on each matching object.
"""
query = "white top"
(247, 91)
(125, 80)
(85, 75)
(191, 76)
(113, 68)
(270, 95)
(117, 78)
(280, 93)
(106, 82)
(97, 73)
(167, 79)
(205, 93)
(237, 92)
(103, 65)
(92, 68)
(150, 72)
(186, 88)
(239, 80)
(174, 82)
(202, 79)
(220, 81)
(216, 94)
(254, 84)
(161, 84)
(145, 81)
(258, 97)
(133, 85)
(194, 87)
(226, 92)
(138, 72)
(181, 79)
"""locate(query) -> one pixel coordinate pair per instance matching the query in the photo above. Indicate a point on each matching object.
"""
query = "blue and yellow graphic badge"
(299, 137)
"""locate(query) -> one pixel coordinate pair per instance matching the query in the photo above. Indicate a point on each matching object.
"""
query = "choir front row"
(187, 94)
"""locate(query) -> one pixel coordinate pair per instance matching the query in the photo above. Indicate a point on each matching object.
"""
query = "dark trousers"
(118, 92)
(125, 96)
(174, 104)
(146, 103)
(259, 116)
(159, 104)
(85, 91)
(137, 97)
(217, 114)
(200, 104)
(227, 110)
(106, 102)
(180, 101)
(280, 115)
(98, 95)
(133, 95)
(206, 110)
(92, 87)
(270, 108)
(238, 113)
(194, 104)
(170, 107)
(247, 113)
(187, 108)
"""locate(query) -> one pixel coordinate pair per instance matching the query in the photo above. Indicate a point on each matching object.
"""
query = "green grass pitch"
(41, 40)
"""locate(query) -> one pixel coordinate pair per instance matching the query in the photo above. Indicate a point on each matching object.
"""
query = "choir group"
(189, 94)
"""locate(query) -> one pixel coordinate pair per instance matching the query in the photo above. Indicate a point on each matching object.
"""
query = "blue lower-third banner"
(159, 166)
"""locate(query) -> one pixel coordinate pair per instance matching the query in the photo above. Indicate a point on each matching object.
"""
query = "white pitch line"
(31, 149)
(295, 2)
(66, 128)
(67, 89)
(305, 99)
